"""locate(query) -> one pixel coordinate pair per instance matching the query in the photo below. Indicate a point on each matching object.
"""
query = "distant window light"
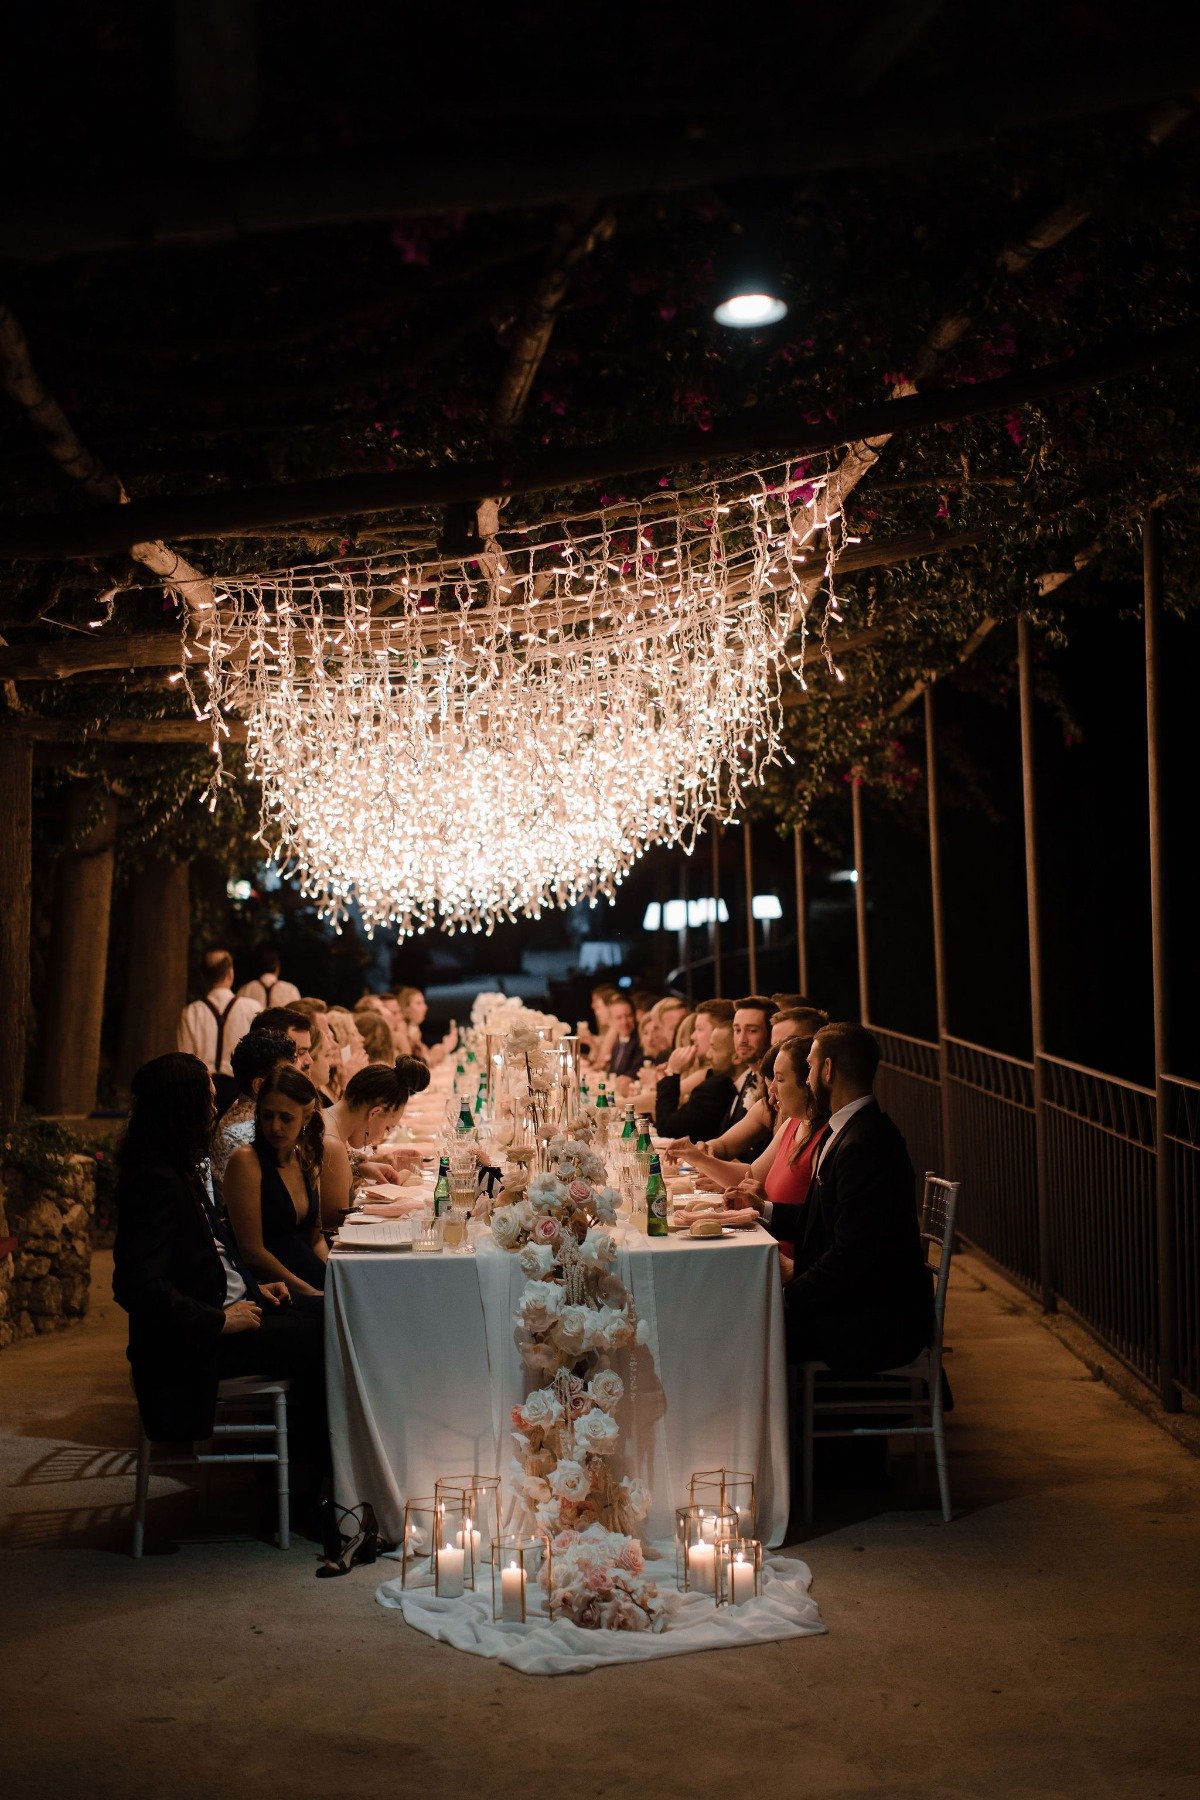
(707, 911)
(674, 915)
(766, 906)
(624, 981)
(652, 917)
(844, 875)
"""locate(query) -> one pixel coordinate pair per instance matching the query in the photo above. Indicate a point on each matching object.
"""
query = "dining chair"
(914, 1392)
(240, 1395)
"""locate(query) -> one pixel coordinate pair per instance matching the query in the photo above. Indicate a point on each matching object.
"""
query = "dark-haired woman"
(370, 1110)
(195, 1313)
(783, 1173)
(279, 1188)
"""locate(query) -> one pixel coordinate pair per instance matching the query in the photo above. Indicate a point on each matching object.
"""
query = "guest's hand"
(787, 1269)
(681, 1060)
(377, 1169)
(679, 1149)
(747, 1193)
(275, 1293)
(243, 1315)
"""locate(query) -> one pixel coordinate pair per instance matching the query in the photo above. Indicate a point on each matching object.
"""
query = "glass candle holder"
(698, 1531)
(738, 1571)
(438, 1549)
(478, 1498)
(522, 1577)
(726, 1490)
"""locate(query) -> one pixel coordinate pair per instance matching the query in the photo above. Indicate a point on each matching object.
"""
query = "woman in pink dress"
(783, 1173)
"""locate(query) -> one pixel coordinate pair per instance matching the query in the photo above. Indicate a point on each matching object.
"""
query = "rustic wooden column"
(860, 901)
(748, 877)
(73, 1005)
(16, 878)
(1033, 907)
(156, 967)
(939, 930)
(1164, 1185)
(801, 910)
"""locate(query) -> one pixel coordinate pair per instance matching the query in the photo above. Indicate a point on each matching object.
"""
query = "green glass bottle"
(656, 1201)
(627, 1130)
(466, 1121)
(441, 1191)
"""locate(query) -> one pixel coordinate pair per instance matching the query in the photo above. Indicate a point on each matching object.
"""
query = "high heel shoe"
(341, 1550)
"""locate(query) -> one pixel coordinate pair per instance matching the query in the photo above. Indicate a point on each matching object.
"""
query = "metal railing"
(1099, 1134)
(1182, 1138)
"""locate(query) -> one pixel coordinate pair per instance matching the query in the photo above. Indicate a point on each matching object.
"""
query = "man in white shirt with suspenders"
(209, 1028)
(268, 987)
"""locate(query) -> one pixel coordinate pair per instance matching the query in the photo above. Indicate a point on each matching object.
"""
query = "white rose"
(597, 1248)
(596, 1433)
(637, 1496)
(542, 1408)
(540, 1305)
(607, 1389)
(572, 1327)
(536, 1260)
(642, 1334)
(507, 1229)
(570, 1480)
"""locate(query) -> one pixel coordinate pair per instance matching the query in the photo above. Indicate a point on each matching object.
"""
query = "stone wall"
(44, 1283)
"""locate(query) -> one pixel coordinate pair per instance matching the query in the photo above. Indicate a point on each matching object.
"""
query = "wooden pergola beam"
(68, 732)
(760, 433)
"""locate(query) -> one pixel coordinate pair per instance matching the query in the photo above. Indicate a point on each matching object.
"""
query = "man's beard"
(820, 1094)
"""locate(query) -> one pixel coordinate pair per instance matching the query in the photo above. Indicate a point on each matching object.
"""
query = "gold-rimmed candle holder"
(478, 1497)
(698, 1530)
(522, 1578)
(438, 1548)
(727, 1490)
(738, 1571)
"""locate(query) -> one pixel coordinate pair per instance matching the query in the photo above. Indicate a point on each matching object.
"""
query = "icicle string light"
(459, 742)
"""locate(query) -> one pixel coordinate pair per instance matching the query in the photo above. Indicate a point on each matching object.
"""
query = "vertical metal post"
(860, 899)
(1164, 1195)
(685, 940)
(748, 871)
(939, 929)
(1036, 1012)
(801, 910)
(716, 918)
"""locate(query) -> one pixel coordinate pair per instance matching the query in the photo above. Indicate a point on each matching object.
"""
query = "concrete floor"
(1042, 1644)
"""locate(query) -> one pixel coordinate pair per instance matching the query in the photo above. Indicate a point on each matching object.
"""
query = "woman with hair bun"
(278, 1189)
(370, 1109)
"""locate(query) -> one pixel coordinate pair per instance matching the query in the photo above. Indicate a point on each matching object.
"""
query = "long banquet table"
(423, 1371)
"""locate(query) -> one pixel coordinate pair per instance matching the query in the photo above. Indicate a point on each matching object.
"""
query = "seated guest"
(718, 1160)
(296, 1025)
(196, 1314)
(252, 1059)
(624, 1055)
(797, 1021)
(370, 1110)
(696, 1116)
(322, 1050)
(861, 1299)
(782, 1175)
(751, 1039)
(280, 1188)
(267, 988)
(659, 1027)
(413, 1010)
(210, 1027)
(349, 1052)
(375, 1033)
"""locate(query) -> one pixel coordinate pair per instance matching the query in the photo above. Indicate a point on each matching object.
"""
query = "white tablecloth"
(423, 1371)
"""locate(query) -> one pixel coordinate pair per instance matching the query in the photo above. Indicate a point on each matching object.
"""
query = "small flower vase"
(738, 1571)
(522, 1578)
(698, 1530)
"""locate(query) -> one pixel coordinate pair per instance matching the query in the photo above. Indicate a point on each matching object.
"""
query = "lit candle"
(701, 1567)
(512, 1594)
(449, 1583)
(741, 1580)
(467, 1538)
(708, 1528)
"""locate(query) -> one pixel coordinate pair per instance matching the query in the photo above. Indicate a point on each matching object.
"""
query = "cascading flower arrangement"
(573, 1313)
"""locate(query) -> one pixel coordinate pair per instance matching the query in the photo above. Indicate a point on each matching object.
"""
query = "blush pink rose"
(546, 1231)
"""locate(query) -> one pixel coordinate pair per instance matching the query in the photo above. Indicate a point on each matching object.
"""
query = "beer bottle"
(441, 1191)
(656, 1201)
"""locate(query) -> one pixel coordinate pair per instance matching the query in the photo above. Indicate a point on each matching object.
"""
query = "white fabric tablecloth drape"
(423, 1371)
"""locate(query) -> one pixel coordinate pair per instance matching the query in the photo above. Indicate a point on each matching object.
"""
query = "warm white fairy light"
(457, 743)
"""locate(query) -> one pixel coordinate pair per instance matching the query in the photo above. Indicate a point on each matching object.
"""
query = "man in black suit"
(751, 1041)
(861, 1299)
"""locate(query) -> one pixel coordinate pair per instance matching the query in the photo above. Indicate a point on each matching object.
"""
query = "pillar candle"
(701, 1564)
(466, 1537)
(741, 1580)
(512, 1594)
(449, 1572)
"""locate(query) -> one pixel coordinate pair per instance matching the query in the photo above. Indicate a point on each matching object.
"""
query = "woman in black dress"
(278, 1189)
